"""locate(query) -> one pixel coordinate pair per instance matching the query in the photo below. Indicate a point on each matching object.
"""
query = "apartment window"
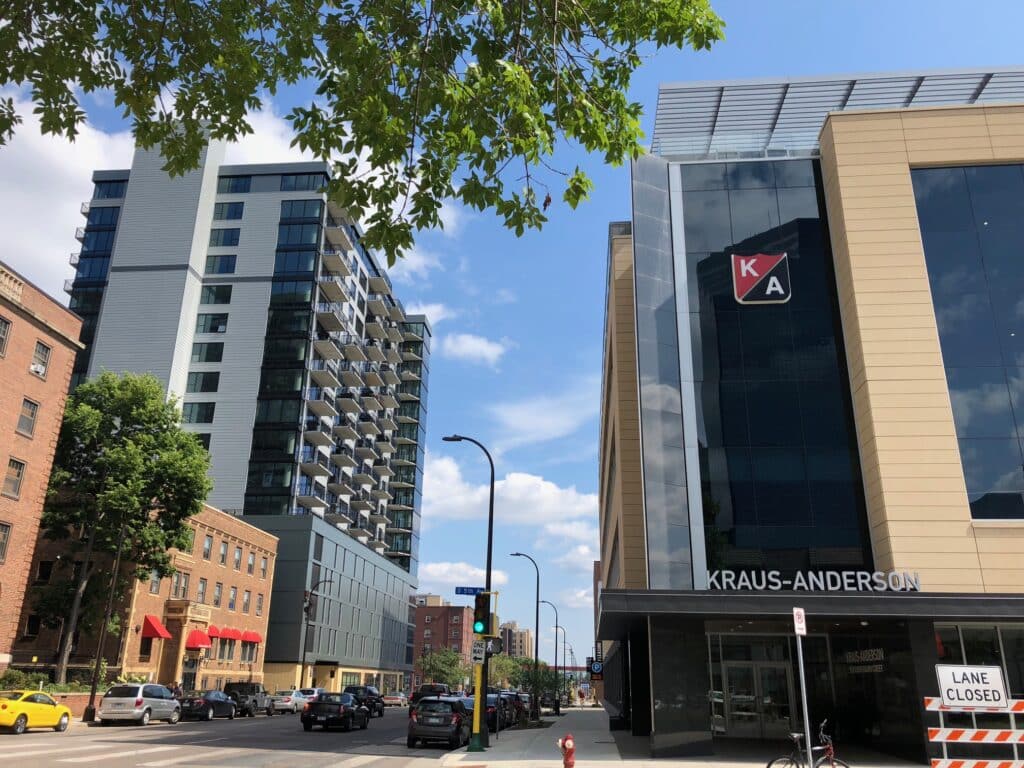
(259, 604)
(456, 619)
(298, 234)
(232, 598)
(227, 211)
(179, 585)
(201, 592)
(207, 547)
(44, 571)
(427, 633)
(145, 648)
(27, 417)
(220, 265)
(205, 381)
(301, 209)
(263, 567)
(248, 652)
(250, 565)
(5, 536)
(426, 619)
(218, 590)
(204, 438)
(215, 294)
(212, 323)
(12, 481)
(301, 182)
(220, 238)
(223, 553)
(40, 359)
(455, 633)
(5, 334)
(238, 558)
(105, 216)
(32, 624)
(198, 413)
(246, 599)
(207, 351)
(109, 190)
(233, 185)
(294, 261)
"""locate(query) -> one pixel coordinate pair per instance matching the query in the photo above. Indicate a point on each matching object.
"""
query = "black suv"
(369, 697)
(250, 698)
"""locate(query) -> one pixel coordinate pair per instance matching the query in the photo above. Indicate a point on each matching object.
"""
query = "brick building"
(439, 624)
(516, 641)
(38, 342)
(204, 625)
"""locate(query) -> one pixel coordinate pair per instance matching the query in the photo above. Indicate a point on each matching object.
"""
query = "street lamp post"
(482, 739)
(558, 691)
(306, 602)
(535, 704)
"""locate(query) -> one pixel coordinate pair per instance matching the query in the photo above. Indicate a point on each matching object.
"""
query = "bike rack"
(945, 736)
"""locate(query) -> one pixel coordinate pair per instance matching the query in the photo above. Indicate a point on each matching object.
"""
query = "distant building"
(441, 625)
(516, 641)
(38, 342)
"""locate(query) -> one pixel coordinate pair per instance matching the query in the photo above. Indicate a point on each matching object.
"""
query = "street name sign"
(971, 686)
(468, 590)
(479, 652)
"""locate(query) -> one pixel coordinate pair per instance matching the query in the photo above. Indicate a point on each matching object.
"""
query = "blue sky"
(518, 322)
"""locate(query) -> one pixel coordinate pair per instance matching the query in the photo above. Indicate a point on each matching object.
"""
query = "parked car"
(512, 705)
(250, 698)
(439, 718)
(395, 699)
(311, 693)
(21, 710)
(330, 709)
(206, 705)
(289, 701)
(138, 703)
(496, 717)
(369, 697)
(429, 689)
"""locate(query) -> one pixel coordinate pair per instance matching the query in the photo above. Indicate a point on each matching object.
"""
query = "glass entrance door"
(758, 699)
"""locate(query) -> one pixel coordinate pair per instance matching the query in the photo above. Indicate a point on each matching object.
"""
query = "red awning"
(197, 639)
(212, 631)
(251, 637)
(229, 633)
(151, 627)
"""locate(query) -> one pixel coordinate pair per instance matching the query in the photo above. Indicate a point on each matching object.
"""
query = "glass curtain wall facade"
(972, 229)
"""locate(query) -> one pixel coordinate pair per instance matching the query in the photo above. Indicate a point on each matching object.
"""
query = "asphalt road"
(259, 742)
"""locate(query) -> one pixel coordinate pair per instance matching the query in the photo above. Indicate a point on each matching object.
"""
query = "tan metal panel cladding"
(913, 479)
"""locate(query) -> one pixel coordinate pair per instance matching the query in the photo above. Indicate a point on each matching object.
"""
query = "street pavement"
(260, 742)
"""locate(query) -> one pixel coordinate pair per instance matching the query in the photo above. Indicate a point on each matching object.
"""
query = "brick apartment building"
(204, 625)
(38, 342)
(516, 641)
(441, 625)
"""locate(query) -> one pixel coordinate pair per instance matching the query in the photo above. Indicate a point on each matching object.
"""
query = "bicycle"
(797, 758)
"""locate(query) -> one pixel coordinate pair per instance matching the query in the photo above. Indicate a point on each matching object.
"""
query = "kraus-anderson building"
(814, 396)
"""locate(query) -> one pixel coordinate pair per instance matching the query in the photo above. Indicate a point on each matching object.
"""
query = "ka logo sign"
(761, 278)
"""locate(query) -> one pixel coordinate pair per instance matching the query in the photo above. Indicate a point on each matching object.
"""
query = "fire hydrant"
(568, 746)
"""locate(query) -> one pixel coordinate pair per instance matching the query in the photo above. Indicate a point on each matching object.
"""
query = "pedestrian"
(176, 690)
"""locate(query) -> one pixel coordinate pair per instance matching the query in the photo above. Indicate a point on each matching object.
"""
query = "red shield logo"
(761, 278)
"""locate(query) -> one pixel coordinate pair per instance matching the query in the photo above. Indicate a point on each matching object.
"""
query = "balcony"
(365, 448)
(74, 258)
(393, 353)
(379, 516)
(411, 352)
(330, 318)
(410, 373)
(79, 234)
(375, 351)
(378, 544)
(380, 284)
(340, 484)
(321, 402)
(387, 421)
(84, 209)
(369, 399)
(313, 462)
(401, 503)
(380, 494)
(389, 375)
(397, 312)
(333, 289)
(348, 402)
(354, 351)
(325, 373)
(386, 397)
(399, 524)
(409, 390)
(344, 456)
(383, 468)
(384, 445)
(395, 333)
(403, 458)
(327, 346)
(362, 475)
(408, 413)
(411, 333)
(336, 234)
(345, 425)
(400, 545)
(337, 261)
(368, 424)
(317, 432)
(403, 479)
(375, 327)
(310, 495)
(361, 501)
(371, 370)
(351, 374)
(376, 304)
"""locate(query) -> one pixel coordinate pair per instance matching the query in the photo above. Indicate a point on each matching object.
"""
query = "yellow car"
(20, 710)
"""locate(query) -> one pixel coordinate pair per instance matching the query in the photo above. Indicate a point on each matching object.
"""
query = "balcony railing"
(306, 487)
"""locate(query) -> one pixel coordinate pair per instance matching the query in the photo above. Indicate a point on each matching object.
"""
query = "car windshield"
(283, 693)
(354, 689)
(308, 691)
(123, 692)
(13, 695)
(436, 707)
(334, 698)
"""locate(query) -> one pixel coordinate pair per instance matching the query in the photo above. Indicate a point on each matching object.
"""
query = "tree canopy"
(124, 474)
(416, 101)
(443, 666)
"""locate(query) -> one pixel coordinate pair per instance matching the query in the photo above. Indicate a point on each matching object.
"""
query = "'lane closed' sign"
(964, 686)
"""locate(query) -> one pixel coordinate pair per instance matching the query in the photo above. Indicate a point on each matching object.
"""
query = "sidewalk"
(597, 747)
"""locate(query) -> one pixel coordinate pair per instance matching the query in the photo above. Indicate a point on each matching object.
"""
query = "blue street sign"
(468, 590)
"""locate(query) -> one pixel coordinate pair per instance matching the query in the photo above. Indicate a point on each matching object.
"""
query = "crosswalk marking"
(355, 761)
(117, 755)
(41, 750)
(218, 755)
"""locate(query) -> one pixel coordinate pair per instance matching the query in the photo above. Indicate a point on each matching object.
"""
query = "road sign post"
(800, 629)
(479, 651)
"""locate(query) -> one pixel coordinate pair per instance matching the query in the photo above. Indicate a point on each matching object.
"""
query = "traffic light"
(482, 613)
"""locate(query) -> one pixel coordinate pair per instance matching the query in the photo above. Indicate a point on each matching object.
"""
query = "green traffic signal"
(478, 627)
(481, 613)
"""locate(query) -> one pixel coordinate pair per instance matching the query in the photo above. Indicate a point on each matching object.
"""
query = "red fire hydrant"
(568, 746)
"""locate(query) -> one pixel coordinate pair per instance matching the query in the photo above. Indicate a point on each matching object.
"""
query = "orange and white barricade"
(1008, 737)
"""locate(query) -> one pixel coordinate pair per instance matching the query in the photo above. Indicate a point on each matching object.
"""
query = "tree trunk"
(71, 623)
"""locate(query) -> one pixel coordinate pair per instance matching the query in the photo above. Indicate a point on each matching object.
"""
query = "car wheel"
(307, 726)
(209, 714)
(410, 742)
(365, 723)
(231, 714)
(251, 712)
(20, 725)
(144, 720)
(62, 724)
(347, 724)
(175, 717)
(270, 710)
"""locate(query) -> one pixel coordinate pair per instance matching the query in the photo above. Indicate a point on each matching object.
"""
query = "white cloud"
(546, 417)
(575, 530)
(270, 141)
(579, 558)
(441, 575)
(435, 311)
(578, 598)
(453, 218)
(415, 266)
(43, 182)
(519, 498)
(474, 349)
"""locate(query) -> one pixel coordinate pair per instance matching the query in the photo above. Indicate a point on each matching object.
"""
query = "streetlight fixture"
(535, 704)
(558, 691)
(306, 603)
(482, 739)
